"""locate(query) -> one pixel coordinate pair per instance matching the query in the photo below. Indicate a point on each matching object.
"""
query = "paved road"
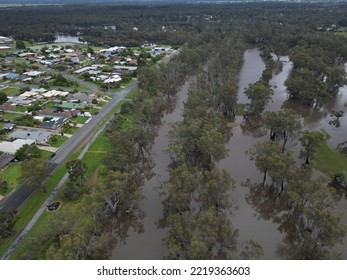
(81, 137)
(84, 133)
(49, 200)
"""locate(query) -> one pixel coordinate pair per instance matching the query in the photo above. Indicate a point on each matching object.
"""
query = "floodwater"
(148, 245)
(254, 217)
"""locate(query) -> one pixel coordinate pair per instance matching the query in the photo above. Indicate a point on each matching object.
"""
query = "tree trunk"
(264, 177)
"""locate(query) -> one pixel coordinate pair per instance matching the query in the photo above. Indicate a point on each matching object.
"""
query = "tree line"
(101, 213)
(197, 197)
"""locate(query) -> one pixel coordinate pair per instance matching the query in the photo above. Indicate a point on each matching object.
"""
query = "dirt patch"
(1, 197)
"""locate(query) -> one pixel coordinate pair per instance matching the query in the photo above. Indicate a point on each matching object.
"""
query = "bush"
(340, 179)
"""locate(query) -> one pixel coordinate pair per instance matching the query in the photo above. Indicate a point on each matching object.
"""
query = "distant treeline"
(131, 25)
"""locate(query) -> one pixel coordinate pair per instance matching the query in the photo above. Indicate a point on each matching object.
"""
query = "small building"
(70, 105)
(5, 40)
(12, 76)
(39, 136)
(12, 147)
(53, 124)
(125, 68)
(9, 126)
(79, 97)
(5, 48)
(33, 73)
(5, 159)
(75, 60)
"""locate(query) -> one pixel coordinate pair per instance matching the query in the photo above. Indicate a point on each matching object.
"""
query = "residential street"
(82, 136)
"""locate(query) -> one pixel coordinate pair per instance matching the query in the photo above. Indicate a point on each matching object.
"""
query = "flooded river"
(148, 244)
(253, 221)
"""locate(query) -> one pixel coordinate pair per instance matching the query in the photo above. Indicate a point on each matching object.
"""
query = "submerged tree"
(260, 95)
(284, 125)
(314, 222)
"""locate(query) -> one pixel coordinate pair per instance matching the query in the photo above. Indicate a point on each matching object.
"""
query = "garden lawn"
(96, 153)
(10, 116)
(57, 140)
(80, 120)
(10, 90)
(12, 173)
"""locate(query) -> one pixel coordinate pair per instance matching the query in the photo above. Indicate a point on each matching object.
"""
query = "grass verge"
(330, 161)
(93, 158)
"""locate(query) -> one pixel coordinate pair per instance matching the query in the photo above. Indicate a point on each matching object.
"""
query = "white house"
(12, 147)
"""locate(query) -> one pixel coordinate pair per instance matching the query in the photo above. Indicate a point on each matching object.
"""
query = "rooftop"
(36, 135)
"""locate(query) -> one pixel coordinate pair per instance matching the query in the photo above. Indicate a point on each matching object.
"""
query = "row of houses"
(5, 43)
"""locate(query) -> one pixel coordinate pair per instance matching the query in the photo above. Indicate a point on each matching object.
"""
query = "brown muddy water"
(253, 219)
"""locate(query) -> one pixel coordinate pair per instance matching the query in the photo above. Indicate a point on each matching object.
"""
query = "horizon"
(24, 2)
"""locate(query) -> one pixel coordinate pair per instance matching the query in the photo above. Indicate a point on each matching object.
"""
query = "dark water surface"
(253, 219)
(148, 244)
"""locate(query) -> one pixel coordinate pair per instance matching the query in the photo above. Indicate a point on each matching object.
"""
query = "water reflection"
(260, 214)
(144, 243)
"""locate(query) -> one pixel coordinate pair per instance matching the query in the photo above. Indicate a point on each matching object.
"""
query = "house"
(12, 76)
(52, 113)
(79, 97)
(70, 105)
(84, 69)
(5, 159)
(2, 75)
(9, 126)
(5, 48)
(53, 93)
(33, 73)
(5, 41)
(125, 68)
(53, 124)
(12, 147)
(19, 100)
(39, 136)
(133, 62)
(75, 60)
(113, 80)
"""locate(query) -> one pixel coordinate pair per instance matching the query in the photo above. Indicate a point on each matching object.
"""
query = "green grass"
(93, 158)
(239, 109)
(25, 213)
(49, 105)
(133, 93)
(96, 153)
(80, 120)
(32, 204)
(21, 109)
(60, 140)
(12, 173)
(342, 33)
(10, 116)
(330, 161)
(41, 223)
(71, 130)
(10, 90)
(93, 110)
(82, 87)
(122, 86)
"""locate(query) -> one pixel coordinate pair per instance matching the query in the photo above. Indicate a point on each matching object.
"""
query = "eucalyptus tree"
(310, 142)
(284, 125)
